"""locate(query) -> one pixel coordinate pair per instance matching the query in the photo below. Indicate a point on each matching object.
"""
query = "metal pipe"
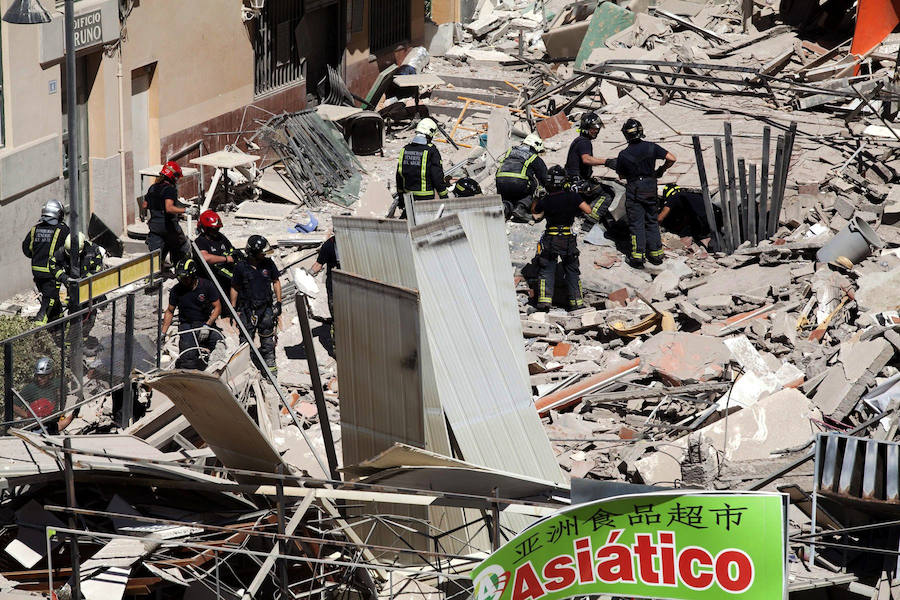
(761, 225)
(744, 202)
(8, 414)
(732, 189)
(70, 501)
(128, 362)
(723, 199)
(785, 168)
(302, 305)
(751, 206)
(772, 221)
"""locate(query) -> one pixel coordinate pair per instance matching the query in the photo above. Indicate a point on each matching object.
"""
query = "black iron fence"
(91, 353)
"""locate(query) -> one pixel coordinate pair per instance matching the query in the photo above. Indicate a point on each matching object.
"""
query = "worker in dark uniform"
(216, 249)
(636, 164)
(580, 160)
(198, 305)
(256, 295)
(683, 212)
(466, 187)
(520, 173)
(328, 260)
(42, 397)
(162, 202)
(41, 245)
(559, 207)
(90, 262)
(420, 171)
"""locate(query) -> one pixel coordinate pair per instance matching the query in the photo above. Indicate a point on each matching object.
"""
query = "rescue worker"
(580, 160)
(42, 395)
(162, 202)
(636, 164)
(521, 172)
(256, 295)
(216, 249)
(419, 168)
(328, 260)
(683, 212)
(41, 245)
(198, 305)
(466, 187)
(559, 207)
(90, 261)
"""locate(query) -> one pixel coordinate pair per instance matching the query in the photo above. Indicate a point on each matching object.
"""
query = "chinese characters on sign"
(656, 545)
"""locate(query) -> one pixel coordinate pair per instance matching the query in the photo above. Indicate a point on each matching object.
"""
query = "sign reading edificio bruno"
(694, 546)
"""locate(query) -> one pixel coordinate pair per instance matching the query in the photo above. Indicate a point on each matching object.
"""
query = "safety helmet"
(210, 221)
(589, 120)
(669, 189)
(186, 269)
(43, 366)
(171, 170)
(257, 245)
(68, 244)
(466, 187)
(632, 130)
(53, 209)
(427, 127)
(556, 179)
(535, 142)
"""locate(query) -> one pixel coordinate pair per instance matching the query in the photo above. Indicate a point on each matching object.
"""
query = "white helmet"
(427, 127)
(68, 243)
(53, 209)
(535, 142)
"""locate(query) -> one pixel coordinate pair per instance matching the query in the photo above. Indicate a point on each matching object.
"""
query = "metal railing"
(93, 351)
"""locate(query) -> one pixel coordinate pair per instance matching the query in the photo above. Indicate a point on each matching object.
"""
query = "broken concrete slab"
(879, 291)
(754, 279)
(681, 358)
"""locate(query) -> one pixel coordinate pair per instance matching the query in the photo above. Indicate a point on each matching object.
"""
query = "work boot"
(520, 215)
(543, 306)
(655, 260)
(636, 263)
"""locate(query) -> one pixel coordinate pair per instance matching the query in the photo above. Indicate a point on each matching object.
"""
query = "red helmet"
(171, 170)
(209, 219)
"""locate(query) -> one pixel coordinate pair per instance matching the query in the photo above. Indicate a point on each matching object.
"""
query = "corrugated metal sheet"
(485, 227)
(487, 403)
(377, 330)
(380, 249)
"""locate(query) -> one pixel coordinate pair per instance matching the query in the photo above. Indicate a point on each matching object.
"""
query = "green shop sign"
(686, 546)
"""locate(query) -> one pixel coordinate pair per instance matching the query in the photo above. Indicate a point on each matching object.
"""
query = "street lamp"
(30, 12)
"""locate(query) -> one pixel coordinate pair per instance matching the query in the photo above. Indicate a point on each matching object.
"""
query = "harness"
(556, 230)
(526, 162)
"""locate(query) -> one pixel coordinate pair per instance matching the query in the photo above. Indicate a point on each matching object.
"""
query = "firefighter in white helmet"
(522, 171)
(419, 168)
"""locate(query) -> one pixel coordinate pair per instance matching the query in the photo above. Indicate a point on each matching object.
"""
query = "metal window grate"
(277, 57)
(388, 23)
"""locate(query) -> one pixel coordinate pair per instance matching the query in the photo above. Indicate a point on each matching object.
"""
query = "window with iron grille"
(277, 53)
(388, 23)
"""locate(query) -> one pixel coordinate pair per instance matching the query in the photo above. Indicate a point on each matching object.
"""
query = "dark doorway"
(320, 38)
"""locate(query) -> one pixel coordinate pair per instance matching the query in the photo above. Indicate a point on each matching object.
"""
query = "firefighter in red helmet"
(162, 202)
(215, 248)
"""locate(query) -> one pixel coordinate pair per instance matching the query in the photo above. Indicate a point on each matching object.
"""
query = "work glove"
(192, 211)
(276, 309)
(203, 334)
(659, 172)
(238, 256)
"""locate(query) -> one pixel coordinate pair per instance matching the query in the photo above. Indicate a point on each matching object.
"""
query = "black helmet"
(257, 245)
(186, 269)
(589, 121)
(556, 179)
(669, 189)
(466, 187)
(632, 130)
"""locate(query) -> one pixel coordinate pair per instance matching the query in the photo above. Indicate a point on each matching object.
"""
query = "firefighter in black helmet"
(256, 295)
(580, 160)
(198, 304)
(559, 207)
(466, 187)
(636, 164)
(41, 245)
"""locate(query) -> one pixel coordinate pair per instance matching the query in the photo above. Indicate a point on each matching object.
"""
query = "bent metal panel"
(689, 546)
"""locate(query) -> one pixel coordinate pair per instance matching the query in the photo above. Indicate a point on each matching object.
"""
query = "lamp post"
(30, 12)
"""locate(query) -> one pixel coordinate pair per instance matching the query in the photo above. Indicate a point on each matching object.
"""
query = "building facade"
(163, 79)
